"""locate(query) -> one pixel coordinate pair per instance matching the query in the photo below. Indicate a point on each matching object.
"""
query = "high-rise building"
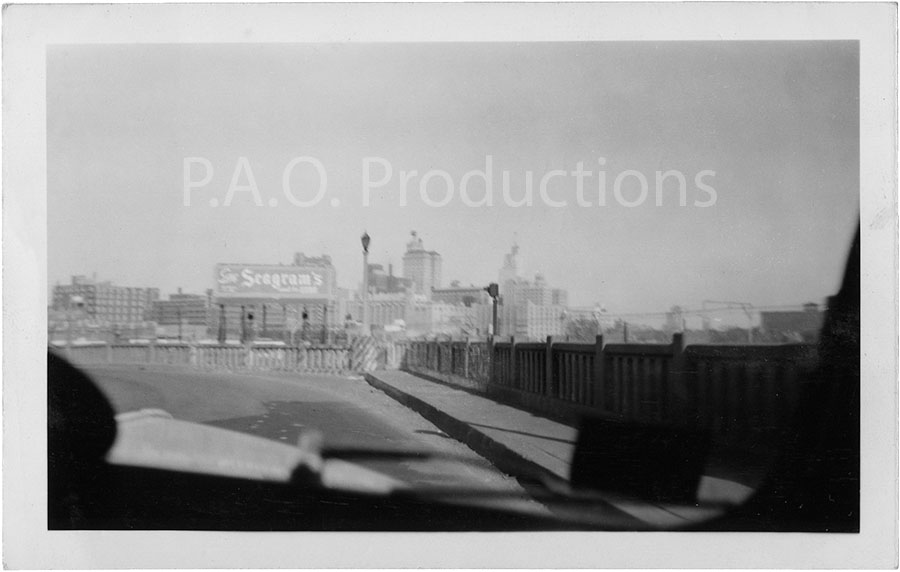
(105, 302)
(537, 321)
(462, 295)
(188, 309)
(422, 267)
(803, 325)
(430, 317)
(675, 320)
(384, 308)
(530, 309)
(509, 272)
(386, 283)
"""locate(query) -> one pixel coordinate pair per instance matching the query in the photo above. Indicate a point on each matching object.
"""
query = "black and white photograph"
(364, 275)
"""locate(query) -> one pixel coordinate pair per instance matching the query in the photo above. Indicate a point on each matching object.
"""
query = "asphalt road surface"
(347, 410)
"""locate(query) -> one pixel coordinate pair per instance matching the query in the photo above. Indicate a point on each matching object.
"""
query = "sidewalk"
(516, 441)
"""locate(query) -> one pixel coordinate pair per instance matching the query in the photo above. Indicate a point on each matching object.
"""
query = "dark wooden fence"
(740, 390)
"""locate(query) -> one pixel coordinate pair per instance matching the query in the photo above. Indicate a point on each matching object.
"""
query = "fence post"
(109, 352)
(549, 378)
(599, 388)
(466, 359)
(512, 362)
(491, 360)
(675, 396)
(151, 351)
(449, 361)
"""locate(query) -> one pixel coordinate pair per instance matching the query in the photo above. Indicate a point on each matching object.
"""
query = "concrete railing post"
(512, 362)
(598, 388)
(675, 396)
(466, 359)
(492, 361)
(448, 366)
(549, 370)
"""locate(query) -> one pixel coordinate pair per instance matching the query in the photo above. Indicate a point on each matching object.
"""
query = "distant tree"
(582, 329)
(467, 324)
(651, 336)
(729, 336)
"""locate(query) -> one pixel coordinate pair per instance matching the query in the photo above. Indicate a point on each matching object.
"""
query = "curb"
(501, 456)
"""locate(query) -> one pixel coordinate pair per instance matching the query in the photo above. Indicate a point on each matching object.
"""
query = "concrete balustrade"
(314, 359)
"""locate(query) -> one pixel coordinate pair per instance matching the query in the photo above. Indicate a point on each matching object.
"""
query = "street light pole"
(243, 325)
(365, 239)
(493, 290)
(222, 326)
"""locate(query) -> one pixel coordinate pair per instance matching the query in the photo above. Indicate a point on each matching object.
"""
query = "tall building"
(422, 267)
(801, 325)
(675, 320)
(512, 265)
(384, 308)
(429, 317)
(537, 292)
(386, 283)
(530, 309)
(182, 308)
(463, 295)
(106, 302)
(537, 321)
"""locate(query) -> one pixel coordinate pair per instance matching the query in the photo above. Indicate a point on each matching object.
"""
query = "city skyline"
(776, 122)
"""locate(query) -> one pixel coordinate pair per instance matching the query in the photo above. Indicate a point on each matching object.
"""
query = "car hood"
(152, 438)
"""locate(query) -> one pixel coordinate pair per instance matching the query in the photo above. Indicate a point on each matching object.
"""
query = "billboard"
(274, 282)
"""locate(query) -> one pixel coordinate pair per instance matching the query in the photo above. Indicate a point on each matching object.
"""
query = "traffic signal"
(493, 290)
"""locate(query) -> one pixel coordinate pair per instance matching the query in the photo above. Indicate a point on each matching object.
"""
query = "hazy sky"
(776, 122)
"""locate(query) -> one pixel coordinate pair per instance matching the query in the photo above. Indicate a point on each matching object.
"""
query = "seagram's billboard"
(274, 282)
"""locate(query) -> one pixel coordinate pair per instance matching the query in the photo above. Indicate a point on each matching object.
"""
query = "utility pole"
(303, 328)
(222, 326)
(365, 239)
(493, 290)
(243, 324)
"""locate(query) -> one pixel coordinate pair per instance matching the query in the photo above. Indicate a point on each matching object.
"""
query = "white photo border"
(29, 29)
